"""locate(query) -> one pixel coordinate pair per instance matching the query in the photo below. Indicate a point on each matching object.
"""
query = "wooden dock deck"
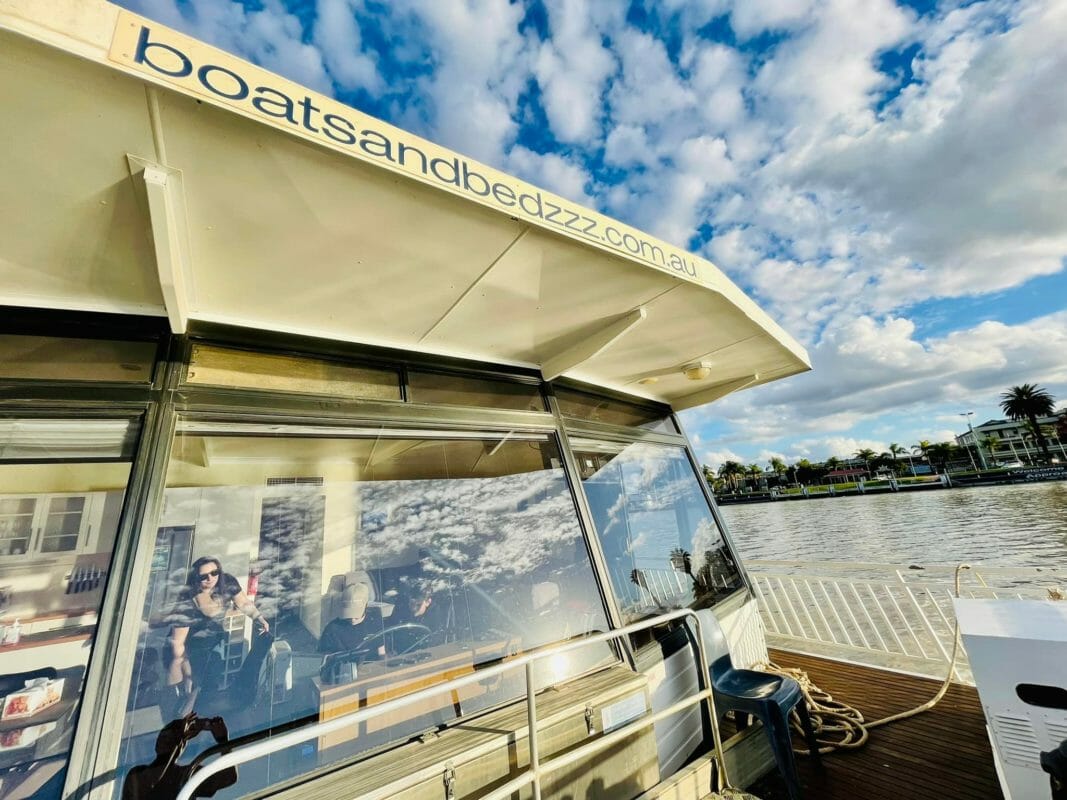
(943, 753)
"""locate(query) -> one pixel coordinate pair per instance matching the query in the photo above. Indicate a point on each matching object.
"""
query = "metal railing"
(535, 771)
(889, 610)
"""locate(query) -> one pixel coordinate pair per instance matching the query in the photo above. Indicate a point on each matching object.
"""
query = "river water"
(1020, 525)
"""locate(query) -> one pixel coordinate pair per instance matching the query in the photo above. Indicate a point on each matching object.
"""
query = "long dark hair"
(193, 582)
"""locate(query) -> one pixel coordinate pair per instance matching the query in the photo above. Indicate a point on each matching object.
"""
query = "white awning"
(125, 189)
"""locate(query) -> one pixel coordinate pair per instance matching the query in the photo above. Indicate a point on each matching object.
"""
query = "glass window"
(59, 359)
(62, 483)
(297, 579)
(222, 366)
(662, 546)
(595, 408)
(464, 390)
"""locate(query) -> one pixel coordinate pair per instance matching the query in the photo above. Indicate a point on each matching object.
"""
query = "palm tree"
(779, 468)
(866, 454)
(1029, 402)
(922, 448)
(755, 471)
(896, 451)
(941, 452)
(729, 471)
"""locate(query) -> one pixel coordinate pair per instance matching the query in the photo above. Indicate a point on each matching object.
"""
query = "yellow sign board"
(166, 56)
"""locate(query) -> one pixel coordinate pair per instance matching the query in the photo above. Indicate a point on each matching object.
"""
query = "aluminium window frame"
(95, 748)
(99, 741)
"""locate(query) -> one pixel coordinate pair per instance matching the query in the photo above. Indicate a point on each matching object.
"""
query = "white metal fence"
(884, 614)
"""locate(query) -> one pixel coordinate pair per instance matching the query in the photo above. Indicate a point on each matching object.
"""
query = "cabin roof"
(151, 174)
(841, 473)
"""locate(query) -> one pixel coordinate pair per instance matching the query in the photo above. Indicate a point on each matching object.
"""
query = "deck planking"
(943, 753)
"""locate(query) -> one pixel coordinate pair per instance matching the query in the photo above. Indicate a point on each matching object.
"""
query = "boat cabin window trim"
(590, 406)
(61, 359)
(248, 369)
(662, 544)
(439, 387)
(64, 478)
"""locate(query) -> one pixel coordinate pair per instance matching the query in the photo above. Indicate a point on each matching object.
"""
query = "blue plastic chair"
(769, 698)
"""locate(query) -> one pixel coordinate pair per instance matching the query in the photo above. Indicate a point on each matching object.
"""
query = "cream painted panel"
(683, 327)
(285, 235)
(544, 296)
(71, 232)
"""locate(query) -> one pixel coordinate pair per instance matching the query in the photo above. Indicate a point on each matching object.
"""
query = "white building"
(1013, 441)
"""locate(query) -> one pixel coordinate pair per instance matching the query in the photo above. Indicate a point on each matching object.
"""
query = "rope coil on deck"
(839, 726)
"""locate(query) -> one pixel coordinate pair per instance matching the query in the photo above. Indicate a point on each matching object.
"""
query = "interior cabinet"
(49, 524)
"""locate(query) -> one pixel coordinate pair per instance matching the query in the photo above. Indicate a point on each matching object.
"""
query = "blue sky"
(889, 180)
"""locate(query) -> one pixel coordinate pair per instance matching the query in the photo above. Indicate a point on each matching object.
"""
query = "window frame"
(96, 746)
(442, 423)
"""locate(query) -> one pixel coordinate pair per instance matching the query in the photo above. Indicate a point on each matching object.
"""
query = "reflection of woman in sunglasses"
(197, 630)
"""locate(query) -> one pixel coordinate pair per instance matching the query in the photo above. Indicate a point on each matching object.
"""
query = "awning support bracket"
(592, 345)
(166, 213)
(711, 393)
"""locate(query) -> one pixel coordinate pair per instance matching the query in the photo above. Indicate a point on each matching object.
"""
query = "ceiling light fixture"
(698, 371)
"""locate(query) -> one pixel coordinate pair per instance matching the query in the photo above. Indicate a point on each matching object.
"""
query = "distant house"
(1013, 437)
(845, 475)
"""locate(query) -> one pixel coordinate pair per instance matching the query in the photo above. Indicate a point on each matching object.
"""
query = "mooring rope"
(839, 726)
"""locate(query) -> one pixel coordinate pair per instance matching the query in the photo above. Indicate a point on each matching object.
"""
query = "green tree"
(729, 472)
(804, 471)
(897, 450)
(1028, 402)
(779, 468)
(941, 452)
(865, 455)
(755, 471)
(829, 465)
(923, 449)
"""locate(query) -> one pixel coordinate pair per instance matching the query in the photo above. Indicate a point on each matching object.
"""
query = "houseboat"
(334, 463)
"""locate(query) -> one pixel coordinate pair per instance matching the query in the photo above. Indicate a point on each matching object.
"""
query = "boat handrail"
(536, 769)
(912, 570)
(889, 615)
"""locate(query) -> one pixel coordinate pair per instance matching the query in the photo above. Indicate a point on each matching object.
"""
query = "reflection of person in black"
(354, 625)
(414, 609)
(164, 777)
(197, 631)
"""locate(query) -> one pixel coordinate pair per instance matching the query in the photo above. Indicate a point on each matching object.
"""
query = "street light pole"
(974, 440)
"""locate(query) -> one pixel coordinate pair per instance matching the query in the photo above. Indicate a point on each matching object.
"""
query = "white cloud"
(867, 370)
(552, 171)
(572, 68)
(752, 17)
(338, 37)
(627, 146)
(650, 88)
(716, 458)
(270, 36)
(482, 64)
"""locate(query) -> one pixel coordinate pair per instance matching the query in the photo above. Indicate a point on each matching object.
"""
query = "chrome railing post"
(531, 721)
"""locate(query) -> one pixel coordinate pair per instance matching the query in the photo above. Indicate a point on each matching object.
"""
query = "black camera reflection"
(164, 777)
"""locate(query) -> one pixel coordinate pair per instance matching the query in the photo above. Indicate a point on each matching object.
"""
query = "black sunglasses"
(205, 575)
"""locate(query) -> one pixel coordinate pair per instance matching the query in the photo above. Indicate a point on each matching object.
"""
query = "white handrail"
(533, 772)
(888, 611)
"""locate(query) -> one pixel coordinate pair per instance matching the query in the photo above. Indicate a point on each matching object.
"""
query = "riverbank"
(997, 477)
